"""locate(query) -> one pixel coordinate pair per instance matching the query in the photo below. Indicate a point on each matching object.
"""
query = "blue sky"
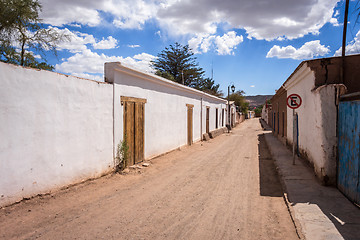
(255, 45)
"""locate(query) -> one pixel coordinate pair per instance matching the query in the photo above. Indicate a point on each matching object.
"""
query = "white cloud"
(335, 22)
(287, 19)
(126, 14)
(308, 51)
(133, 46)
(227, 43)
(224, 45)
(78, 64)
(268, 20)
(352, 48)
(131, 14)
(108, 43)
(252, 86)
(77, 40)
(76, 11)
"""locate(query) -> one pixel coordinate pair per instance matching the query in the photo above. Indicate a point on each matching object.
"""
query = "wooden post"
(294, 135)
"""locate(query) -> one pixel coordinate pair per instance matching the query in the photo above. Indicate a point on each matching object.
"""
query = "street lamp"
(233, 90)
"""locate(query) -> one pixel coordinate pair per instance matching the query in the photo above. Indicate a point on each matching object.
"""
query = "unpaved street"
(222, 189)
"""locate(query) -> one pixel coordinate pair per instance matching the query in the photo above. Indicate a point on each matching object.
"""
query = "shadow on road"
(269, 179)
(306, 190)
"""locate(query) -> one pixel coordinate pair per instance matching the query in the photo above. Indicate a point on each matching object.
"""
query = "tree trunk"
(22, 55)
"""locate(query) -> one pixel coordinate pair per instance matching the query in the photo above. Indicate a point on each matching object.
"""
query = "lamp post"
(233, 90)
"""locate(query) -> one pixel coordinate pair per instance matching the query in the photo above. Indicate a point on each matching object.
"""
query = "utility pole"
(342, 68)
(345, 28)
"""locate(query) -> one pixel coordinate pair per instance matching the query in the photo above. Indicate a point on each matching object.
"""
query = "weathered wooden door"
(189, 123)
(207, 119)
(217, 119)
(134, 128)
(222, 117)
(348, 179)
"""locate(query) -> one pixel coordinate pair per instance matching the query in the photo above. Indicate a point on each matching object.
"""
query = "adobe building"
(57, 130)
(321, 84)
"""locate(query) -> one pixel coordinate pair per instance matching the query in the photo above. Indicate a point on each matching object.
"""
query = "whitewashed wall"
(317, 121)
(55, 130)
(165, 110)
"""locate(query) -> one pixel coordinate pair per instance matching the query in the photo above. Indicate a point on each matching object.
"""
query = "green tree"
(208, 85)
(22, 33)
(258, 111)
(177, 63)
(239, 100)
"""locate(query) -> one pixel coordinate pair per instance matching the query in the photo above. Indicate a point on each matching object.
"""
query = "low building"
(166, 115)
(57, 130)
(320, 84)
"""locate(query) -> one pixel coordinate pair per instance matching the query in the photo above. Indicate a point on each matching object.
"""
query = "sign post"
(294, 101)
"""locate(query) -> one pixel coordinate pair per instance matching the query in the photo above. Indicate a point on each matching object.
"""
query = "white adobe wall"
(165, 110)
(264, 113)
(317, 121)
(55, 130)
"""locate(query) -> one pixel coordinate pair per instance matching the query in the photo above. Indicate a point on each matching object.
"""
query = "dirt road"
(226, 188)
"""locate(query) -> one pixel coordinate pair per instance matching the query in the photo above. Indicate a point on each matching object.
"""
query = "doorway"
(207, 119)
(217, 118)
(134, 128)
(190, 123)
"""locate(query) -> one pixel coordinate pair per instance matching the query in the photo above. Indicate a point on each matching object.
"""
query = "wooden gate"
(216, 118)
(190, 123)
(134, 128)
(348, 179)
(207, 119)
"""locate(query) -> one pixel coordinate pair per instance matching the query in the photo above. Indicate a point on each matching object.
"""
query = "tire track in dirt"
(211, 190)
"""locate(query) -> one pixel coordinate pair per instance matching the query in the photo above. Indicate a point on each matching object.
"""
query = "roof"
(110, 67)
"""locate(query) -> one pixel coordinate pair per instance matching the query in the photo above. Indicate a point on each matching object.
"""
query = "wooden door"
(139, 133)
(207, 119)
(222, 117)
(129, 135)
(134, 128)
(190, 124)
(216, 119)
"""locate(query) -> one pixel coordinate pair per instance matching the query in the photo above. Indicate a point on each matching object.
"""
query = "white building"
(173, 115)
(58, 130)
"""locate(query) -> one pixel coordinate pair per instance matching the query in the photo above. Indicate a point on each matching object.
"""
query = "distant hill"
(258, 100)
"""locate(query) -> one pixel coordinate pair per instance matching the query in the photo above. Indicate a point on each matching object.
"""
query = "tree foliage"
(208, 85)
(239, 100)
(177, 63)
(258, 111)
(22, 33)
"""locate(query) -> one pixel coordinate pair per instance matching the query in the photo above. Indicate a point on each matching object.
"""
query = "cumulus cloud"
(352, 48)
(335, 22)
(201, 43)
(79, 41)
(223, 45)
(72, 12)
(308, 51)
(261, 19)
(133, 46)
(108, 43)
(131, 14)
(287, 19)
(78, 64)
(125, 14)
(227, 43)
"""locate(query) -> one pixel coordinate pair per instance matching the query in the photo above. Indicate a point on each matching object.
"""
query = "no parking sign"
(294, 101)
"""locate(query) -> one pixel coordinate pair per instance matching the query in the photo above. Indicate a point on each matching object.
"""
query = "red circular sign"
(294, 101)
